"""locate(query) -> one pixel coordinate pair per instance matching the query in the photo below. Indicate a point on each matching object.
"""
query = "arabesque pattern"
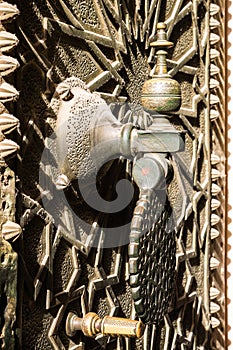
(106, 44)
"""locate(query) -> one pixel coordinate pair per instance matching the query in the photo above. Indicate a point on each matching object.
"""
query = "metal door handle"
(91, 324)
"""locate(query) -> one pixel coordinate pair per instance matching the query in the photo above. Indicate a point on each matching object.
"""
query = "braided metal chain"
(152, 252)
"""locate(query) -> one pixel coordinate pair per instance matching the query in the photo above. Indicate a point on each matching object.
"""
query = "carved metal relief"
(106, 44)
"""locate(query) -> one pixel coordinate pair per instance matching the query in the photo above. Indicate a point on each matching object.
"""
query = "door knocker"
(88, 136)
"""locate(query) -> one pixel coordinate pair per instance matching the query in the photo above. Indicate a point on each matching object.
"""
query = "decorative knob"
(161, 93)
(91, 325)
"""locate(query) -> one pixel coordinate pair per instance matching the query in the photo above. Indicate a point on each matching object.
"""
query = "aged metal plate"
(106, 44)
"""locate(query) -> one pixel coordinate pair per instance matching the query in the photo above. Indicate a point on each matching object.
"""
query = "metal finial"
(161, 94)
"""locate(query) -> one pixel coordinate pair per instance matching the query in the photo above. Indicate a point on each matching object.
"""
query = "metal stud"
(214, 83)
(214, 233)
(11, 230)
(7, 41)
(7, 148)
(214, 293)
(214, 99)
(8, 65)
(8, 93)
(215, 219)
(214, 9)
(214, 115)
(215, 159)
(215, 189)
(214, 322)
(214, 38)
(214, 69)
(214, 23)
(214, 307)
(214, 53)
(215, 204)
(215, 174)
(8, 123)
(214, 263)
(8, 11)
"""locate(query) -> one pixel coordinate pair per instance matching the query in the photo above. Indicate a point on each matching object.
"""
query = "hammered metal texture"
(106, 44)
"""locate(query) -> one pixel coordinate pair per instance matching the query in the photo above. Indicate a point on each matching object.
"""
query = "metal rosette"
(10, 230)
(218, 186)
(152, 259)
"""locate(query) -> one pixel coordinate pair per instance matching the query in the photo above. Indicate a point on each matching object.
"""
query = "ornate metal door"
(160, 257)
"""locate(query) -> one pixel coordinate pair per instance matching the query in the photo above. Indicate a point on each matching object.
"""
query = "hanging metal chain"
(152, 251)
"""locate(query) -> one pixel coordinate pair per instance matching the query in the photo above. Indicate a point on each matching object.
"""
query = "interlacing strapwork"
(106, 44)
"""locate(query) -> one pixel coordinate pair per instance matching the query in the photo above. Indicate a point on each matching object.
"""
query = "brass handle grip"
(91, 325)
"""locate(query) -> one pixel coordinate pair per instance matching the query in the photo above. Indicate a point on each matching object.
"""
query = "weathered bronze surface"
(161, 93)
(106, 44)
(92, 325)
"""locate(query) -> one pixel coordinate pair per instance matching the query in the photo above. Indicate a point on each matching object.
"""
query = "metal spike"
(214, 9)
(214, 233)
(215, 204)
(8, 11)
(214, 38)
(214, 23)
(62, 182)
(214, 293)
(214, 83)
(214, 115)
(214, 54)
(8, 123)
(11, 230)
(214, 69)
(7, 147)
(215, 159)
(8, 92)
(8, 65)
(215, 174)
(214, 99)
(214, 307)
(215, 189)
(215, 219)
(7, 41)
(214, 263)
(214, 322)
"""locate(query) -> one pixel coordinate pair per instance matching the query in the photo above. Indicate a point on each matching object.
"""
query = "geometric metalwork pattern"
(106, 44)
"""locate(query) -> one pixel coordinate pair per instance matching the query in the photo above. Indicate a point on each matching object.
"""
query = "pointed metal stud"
(214, 263)
(8, 123)
(214, 115)
(215, 204)
(215, 189)
(214, 38)
(214, 99)
(214, 69)
(214, 293)
(214, 322)
(214, 233)
(215, 174)
(11, 230)
(62, 182)
(214, 9)
(214, 307)
(7, 148)
(215, 219)
(214, 54)
(8, 11)
(7, 41)
(214, 23)
(8, 65)
(214, 83)
(215, 159)
(8, 93)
